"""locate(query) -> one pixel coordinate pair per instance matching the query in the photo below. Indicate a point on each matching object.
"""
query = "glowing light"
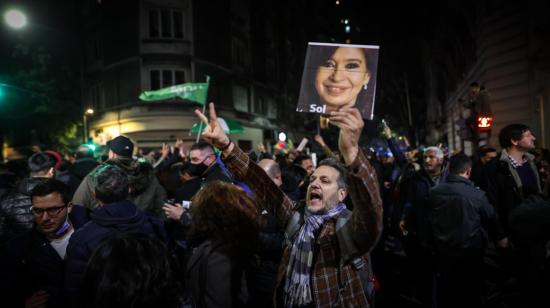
(484, 122)
(282, 136)
(15, 19)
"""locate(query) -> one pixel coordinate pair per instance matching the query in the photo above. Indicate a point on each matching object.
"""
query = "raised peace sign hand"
(213, 133)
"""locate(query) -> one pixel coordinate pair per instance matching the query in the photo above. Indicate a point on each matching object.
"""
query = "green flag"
(229, 126)
(196, 92)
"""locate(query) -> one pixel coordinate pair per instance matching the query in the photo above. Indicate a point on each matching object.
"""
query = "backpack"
(349, 253)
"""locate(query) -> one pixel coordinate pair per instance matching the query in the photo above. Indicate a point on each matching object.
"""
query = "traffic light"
(484, 123)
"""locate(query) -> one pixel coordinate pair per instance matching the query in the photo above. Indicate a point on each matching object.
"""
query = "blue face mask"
(62, 230)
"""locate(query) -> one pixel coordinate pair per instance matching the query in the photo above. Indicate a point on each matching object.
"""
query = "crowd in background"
(187, 227)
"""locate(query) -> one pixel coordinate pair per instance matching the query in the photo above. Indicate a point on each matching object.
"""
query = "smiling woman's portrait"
(336, 76)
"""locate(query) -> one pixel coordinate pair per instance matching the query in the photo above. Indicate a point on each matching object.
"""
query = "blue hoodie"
(122, 216)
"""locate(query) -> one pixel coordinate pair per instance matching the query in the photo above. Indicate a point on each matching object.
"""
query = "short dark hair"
(300, 158)
(111, 184)
(292, 176)
(49, 186)
(511, 132)
(459, 163)
(202, 145)
(343, 172)
(482, 151)
(131, 270)
(474, 84)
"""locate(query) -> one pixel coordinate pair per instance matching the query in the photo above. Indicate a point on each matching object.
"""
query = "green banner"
(196, 92)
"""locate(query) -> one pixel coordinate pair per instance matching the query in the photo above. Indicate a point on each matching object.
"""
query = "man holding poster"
(338, 75)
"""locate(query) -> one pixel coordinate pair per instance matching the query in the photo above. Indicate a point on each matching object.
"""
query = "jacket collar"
(458, 179)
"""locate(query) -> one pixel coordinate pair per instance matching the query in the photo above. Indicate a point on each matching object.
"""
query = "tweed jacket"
(365, 226)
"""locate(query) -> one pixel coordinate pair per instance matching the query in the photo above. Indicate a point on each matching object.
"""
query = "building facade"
(136, 46)
(512, 62)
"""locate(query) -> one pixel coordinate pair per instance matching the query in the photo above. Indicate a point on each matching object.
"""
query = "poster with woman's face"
(338, 75)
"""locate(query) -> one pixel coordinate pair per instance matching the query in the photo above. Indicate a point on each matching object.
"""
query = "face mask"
(62, 229)
(197, 169)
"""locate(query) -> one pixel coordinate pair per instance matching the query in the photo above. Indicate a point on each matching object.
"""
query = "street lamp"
(15, 19)
(88, 112)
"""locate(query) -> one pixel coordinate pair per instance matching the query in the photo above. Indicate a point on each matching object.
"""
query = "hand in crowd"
(261, 148)
(503, 243)
(173, 211)
(182, 150)
(386, 132)
(403, 227)
(319, 139)
(213, 133)
(165, 151)
(37, 300)
(350, 122)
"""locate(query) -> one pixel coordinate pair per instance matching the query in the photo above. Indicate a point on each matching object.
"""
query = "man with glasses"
(34, 262)
(15, 217)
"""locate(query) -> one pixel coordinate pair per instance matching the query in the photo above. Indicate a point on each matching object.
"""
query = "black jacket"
(461, 217)
(215, 279)
(505, 189)
(31, 264)
(79, 170)
(15, 215)
(415, 209)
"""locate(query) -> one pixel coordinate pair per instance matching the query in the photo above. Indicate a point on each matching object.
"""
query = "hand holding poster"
(338, 75)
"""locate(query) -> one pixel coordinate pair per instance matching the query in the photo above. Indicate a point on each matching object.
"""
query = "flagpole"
(203, 109)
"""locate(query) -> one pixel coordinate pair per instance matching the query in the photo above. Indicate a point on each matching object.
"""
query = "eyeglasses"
(52, 211)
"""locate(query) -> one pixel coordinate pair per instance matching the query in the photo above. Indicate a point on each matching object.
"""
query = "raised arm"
(267, 193)
(365, 224)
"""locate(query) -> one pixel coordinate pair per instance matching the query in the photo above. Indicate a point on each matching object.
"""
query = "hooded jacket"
(15, 216)
(122, 216)
(145, 190)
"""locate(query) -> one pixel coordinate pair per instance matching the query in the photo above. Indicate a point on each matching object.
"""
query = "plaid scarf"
(297, 284)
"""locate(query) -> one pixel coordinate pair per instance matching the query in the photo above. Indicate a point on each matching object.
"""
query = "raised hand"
(319, 139)
(350, 122)
(213, 133)
(165, 151)
(180, 146)
(261, 148)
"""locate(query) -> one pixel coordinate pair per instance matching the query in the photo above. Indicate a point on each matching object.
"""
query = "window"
(260, 107)
(165, 78)
(96, 97)
(240, 98)
(166, 23)
(239, 52)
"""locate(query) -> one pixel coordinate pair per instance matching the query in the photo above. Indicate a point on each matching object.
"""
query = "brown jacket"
(365, 226)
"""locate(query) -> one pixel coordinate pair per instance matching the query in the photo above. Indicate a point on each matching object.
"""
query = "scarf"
(297, 284)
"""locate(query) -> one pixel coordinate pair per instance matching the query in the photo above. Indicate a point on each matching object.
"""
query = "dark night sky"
(402, 30)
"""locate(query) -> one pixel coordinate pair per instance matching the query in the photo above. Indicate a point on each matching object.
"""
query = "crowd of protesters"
(214, 226)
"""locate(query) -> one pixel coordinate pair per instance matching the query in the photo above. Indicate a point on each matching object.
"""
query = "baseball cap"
(121, 146)
(40, 161)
